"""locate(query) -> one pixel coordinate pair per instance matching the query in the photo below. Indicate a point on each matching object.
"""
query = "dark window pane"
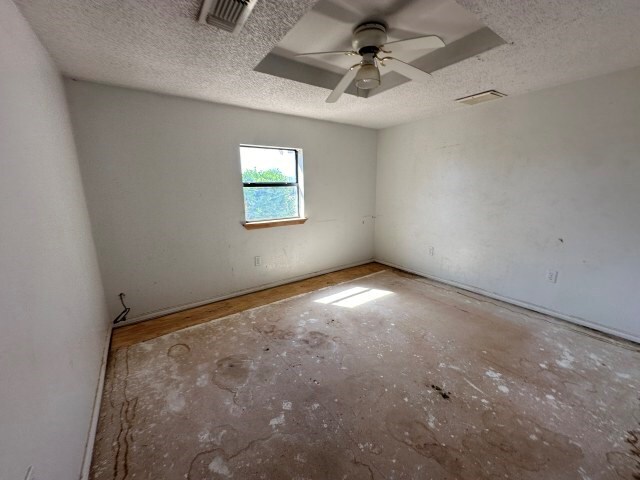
(269, 203)
(268, 165)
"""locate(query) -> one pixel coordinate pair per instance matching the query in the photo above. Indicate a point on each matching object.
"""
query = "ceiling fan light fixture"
(368, 77)
(369, 40)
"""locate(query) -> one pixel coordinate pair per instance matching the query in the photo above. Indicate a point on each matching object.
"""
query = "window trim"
(273, 223)
(280, 221)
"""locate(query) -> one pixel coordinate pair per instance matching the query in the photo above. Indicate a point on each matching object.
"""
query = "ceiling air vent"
(229, 15)
(480, 97)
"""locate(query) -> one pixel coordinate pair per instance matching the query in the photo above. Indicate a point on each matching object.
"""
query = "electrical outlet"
(257, 261)
(432, 251)
(552, 276)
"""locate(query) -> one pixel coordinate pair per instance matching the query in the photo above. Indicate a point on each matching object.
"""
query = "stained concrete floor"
(403, 378)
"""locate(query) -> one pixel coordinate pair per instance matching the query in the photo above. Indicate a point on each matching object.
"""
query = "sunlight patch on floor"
(354, 297)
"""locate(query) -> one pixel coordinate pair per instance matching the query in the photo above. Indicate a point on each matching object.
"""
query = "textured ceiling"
(157, 45)
(328, 27)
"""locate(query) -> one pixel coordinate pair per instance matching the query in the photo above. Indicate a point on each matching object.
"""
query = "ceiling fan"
(369, 41)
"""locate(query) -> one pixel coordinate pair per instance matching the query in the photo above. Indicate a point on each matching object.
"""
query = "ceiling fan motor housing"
(368, 37)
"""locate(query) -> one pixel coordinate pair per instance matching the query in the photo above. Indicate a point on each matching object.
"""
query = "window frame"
(277, 221)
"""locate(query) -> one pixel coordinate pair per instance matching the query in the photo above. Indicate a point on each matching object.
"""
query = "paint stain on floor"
(387, 377)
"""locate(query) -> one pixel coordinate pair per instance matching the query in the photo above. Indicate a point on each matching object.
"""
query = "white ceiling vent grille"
(229, 15)
(480, 97)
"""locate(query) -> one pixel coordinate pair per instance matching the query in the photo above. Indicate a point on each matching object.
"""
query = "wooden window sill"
(274, 223)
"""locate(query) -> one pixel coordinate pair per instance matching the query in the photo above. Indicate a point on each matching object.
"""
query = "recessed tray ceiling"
(329, 25)
(160, 46)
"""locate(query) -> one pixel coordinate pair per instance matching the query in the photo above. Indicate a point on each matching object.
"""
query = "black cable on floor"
(122, 317)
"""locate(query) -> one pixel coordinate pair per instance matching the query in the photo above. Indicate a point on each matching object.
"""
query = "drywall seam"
(95, 415)
(519, 303)
(187, 306)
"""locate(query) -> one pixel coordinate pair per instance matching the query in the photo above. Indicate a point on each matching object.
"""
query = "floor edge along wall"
(95, 413)
(577, 323)
(181, 308)
(519, 303)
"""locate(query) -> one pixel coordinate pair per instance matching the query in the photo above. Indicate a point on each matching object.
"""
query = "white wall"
(163, 183)
(495, 187)
(54, 319)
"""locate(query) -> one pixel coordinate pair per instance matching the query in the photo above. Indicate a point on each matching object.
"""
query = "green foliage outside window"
(266, 203)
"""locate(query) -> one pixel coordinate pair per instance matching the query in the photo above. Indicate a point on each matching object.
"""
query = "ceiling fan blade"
(407, 70)
(333, 9)
(346, 52)
(420, 43)
(343, 84)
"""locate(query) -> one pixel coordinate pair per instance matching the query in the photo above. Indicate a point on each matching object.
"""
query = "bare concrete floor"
(389, 376)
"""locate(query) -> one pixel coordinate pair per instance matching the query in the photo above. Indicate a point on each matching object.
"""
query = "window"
(272, 183)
